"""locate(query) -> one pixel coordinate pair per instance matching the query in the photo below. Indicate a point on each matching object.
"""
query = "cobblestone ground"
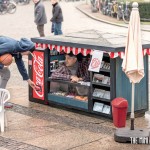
(38, 127)
(14, 145)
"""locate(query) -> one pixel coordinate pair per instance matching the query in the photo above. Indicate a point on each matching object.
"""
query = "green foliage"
(144, 9)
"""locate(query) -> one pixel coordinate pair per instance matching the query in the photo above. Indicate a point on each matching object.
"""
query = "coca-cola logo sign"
(38, 74)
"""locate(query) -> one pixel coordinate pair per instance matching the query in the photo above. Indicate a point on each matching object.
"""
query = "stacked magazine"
(100, 78)
(101, 93)
(100, 107)
(105, 65)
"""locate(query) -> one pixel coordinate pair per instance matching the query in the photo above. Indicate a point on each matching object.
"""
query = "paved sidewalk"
(86, 9)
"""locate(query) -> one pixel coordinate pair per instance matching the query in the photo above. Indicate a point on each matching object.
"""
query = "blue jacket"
(14, 47)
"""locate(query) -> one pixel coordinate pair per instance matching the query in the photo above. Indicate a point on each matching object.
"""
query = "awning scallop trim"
(84, 51)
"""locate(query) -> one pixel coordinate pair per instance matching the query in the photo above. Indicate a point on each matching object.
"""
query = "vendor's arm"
(84, 74)
(22, 69)
(61, 73)
(86, 78)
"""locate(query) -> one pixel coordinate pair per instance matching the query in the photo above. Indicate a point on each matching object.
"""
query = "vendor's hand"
(31, 83)
(80, 79)
(74, 79)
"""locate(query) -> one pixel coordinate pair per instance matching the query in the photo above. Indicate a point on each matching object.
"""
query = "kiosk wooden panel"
(85, 42)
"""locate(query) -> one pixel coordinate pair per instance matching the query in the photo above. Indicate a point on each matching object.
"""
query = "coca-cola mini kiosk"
(39, 74)
(105, 85)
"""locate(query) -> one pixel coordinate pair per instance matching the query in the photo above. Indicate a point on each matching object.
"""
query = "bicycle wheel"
(103, 11)
(12, 8)
(126, 17)
(119, 15)
(3, 10)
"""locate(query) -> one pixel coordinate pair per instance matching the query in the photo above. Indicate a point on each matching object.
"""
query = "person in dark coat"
(57, 17)
(40, 16)
(16, 49)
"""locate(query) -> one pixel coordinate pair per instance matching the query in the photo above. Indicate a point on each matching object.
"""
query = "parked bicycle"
(22, 2)
(127, 12)
(105, 7)
(7, 6)
(114, 9)
(94, 5)
(124, 13)
(109, 9)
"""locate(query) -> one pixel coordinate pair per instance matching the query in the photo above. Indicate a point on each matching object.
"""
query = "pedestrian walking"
(17, 49)
(39, 16)
(57, 18)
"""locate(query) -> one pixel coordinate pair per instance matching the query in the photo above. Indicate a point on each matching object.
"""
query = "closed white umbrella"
(133, 65)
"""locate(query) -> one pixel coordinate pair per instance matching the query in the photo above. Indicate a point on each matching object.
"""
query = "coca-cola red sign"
(38, 74)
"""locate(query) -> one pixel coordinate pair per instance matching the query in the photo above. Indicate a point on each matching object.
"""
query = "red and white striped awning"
(84, 51)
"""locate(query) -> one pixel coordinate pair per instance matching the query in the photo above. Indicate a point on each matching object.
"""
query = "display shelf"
(104, 70)
(100, 84)
(66, 82)
(68, 101)
(102, 114)
(101, 99)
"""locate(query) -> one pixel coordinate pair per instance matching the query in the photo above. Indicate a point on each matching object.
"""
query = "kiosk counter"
(110, 82)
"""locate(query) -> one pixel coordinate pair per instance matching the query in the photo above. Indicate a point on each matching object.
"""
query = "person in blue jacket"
(17, 49)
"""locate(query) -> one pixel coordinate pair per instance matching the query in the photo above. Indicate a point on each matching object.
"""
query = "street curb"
(101, 20)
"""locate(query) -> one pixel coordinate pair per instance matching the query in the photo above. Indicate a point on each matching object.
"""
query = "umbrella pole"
(132, 108)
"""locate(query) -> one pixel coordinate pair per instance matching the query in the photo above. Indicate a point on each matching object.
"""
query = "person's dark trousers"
(57, 29)
(40, 29)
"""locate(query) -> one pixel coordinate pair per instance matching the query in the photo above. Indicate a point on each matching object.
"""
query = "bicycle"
(22, 2)
(107, 8)
(7, 7)
(124, 14)
(114, 9)
(94, 5)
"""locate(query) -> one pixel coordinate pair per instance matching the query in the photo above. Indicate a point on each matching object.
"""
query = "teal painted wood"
(57, 57)
(68, 101)
(124, 87)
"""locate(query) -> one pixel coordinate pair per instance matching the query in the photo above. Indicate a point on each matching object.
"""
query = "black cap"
(71, 54)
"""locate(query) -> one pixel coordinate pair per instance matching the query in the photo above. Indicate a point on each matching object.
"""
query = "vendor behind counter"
(75, 69)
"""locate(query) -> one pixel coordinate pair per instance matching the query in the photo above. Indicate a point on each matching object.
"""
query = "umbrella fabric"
(133, 60)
